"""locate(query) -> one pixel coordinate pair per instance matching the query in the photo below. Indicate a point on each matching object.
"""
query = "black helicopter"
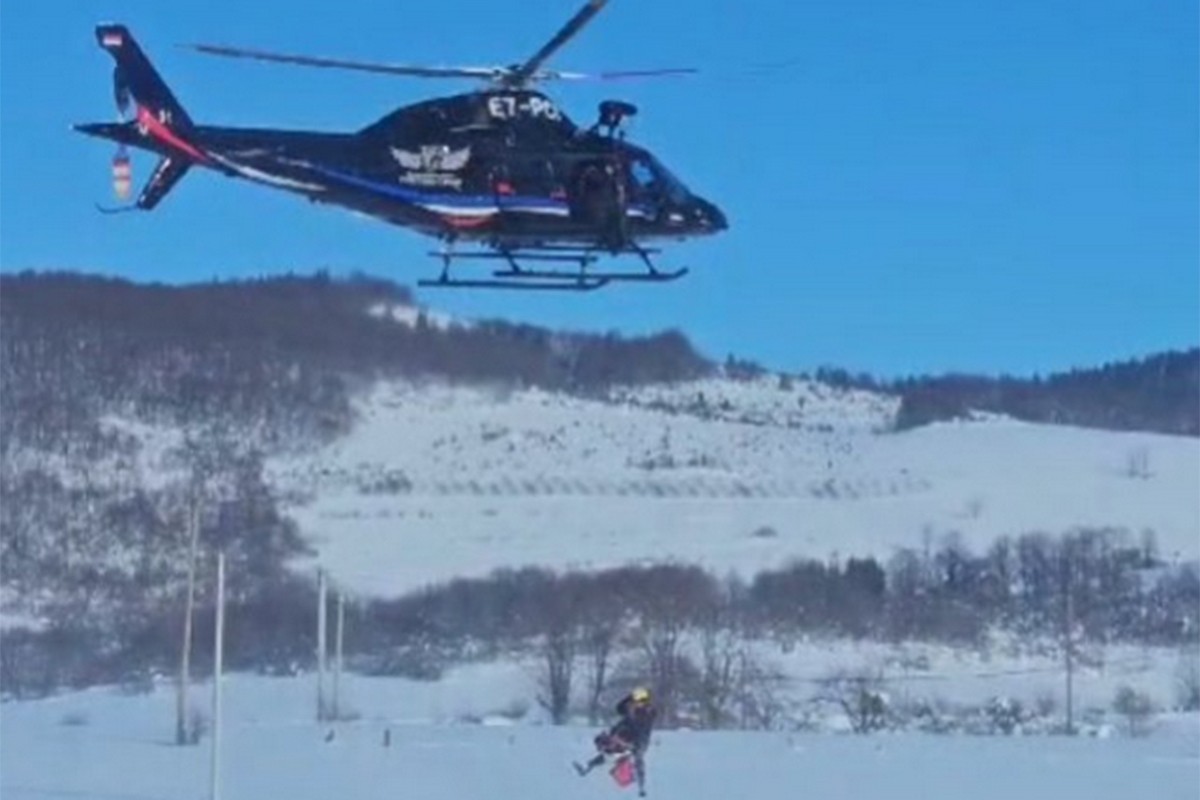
(502, 169)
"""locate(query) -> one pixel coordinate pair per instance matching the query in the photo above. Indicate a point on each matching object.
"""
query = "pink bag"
(623, 772)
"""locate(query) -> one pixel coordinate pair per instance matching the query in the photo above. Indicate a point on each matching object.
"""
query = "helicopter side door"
(598, 197)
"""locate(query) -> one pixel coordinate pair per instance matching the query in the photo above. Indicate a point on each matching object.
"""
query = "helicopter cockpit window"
(651, 181)
(642, 176)
(676, 191)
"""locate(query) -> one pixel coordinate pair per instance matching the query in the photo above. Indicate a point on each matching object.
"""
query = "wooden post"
(337, 660)
(182, 734)
(218, 658)
(1069, 655)
(321, 645)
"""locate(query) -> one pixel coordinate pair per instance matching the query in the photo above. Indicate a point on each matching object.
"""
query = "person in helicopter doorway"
(629, 737)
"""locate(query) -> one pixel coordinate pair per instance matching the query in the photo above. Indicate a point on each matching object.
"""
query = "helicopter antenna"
(514, 77)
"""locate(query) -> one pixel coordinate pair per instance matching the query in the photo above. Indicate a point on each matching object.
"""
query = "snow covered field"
(437, 482)
(101, 745)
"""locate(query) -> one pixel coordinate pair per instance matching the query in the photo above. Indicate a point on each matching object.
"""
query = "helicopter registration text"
(513, 106)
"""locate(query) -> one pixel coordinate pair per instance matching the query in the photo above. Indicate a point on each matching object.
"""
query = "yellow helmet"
(640, 695)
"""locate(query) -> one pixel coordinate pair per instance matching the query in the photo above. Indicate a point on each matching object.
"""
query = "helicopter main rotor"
(510, 77)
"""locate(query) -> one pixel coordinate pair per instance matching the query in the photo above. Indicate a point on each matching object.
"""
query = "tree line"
(280, 356)
(1121, 588)
(1160, 392)
(283, 355)
(691, 633)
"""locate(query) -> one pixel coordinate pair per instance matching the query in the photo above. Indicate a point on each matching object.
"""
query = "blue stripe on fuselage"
(448, 200)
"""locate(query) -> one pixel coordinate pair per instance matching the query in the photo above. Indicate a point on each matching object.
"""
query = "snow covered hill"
(438, 481)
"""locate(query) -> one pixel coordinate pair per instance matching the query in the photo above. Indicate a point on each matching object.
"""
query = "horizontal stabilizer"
(166, 175)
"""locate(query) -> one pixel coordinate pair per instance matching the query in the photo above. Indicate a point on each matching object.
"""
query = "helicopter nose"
(709, 217)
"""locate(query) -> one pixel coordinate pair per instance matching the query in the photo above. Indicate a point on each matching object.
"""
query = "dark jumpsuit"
(632, 733)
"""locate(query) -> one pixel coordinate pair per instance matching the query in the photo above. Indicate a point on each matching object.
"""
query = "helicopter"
(498, 175)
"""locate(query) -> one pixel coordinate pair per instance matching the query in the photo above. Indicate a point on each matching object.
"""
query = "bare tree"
(602, 614)
(599, 641)
(560, 643)
(759, 700)
(861, 695)
(674, 599)
(558, 667)
(1137, 709)
(722, 656)
(728, 668)
(736, 686)
(1187, 679)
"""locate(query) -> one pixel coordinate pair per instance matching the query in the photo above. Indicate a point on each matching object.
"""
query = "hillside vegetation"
(1159, 393)
(280, 356)
(283, 355)
(94, 544)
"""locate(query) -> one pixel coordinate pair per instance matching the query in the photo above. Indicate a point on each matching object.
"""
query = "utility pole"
(1069, 645)
(321, 645)
(337, 661)
(218, 658)
(185, 657)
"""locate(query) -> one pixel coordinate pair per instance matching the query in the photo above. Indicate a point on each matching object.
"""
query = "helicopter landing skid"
(516, 276)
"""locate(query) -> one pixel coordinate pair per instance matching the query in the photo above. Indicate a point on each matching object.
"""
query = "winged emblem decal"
(431, 159)
(431, 165)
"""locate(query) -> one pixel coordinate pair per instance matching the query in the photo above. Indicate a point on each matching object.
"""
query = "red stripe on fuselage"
(465, 222)
(162, 133)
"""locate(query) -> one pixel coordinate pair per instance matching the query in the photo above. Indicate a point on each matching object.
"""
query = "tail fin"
(160, 123)
(168, 173)
(135, 76)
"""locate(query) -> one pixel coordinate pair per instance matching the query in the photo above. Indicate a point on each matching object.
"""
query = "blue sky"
(912, 187)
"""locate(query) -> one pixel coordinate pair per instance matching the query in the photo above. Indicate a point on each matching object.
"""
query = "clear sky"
(912, 187)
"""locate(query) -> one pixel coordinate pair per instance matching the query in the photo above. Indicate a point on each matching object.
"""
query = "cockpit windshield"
(652, 181)
(675, 188)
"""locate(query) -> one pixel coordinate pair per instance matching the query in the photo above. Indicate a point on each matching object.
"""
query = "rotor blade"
(523, 73)
(551, 75)
(362, 66)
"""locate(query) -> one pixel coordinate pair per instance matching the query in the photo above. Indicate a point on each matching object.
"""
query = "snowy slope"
(438, 481)
(98, 745)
